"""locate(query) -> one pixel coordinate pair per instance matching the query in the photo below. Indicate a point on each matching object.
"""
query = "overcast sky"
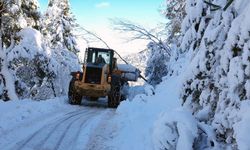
(94, 15)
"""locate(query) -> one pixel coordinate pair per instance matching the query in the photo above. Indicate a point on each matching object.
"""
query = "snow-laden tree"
(217, 43)
(11, 22)
(175, 13)
(59, 26)
(30, 13)
(16, 15)
(29, 68)
(40, 73)
(156, 64)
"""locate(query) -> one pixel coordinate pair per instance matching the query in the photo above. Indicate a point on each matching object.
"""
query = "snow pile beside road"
(175, 130)
(141, 122)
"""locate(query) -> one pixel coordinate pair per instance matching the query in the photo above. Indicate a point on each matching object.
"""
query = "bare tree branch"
(139, 32)
(91, 37)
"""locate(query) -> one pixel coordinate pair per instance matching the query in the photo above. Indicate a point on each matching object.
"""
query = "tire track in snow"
(74, 133)
(57, 135)
(68, 134)
(50, 129)
(71, 130)
(6, 138)
(99, 139)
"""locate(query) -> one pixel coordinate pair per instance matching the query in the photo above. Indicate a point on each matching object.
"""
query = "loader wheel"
(123, 97)
(114, 95)
(74, 97)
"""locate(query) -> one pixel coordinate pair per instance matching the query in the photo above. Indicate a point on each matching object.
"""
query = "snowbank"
(141, 122)
(175, 130)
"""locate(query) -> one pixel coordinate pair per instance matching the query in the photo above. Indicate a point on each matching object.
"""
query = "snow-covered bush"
(175, 131)
(40, 72)
(30, 66)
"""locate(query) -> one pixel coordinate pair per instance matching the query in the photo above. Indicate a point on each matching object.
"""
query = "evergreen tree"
(59, 25)
(30, 12)
(175, 13)
(14, 16)
(157, 64)
(11, 22)
(218, 83)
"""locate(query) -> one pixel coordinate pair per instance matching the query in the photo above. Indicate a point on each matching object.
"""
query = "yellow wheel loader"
(101, 76)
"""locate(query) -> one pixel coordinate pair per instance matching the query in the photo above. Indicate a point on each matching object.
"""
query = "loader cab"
(96, 60)
(93, 56)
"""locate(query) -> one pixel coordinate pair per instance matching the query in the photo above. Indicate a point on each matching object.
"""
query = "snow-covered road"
(54, 124)
(67, 127)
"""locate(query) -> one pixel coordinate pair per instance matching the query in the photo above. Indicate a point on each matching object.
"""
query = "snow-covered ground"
(138, 123)
(51, 124)
(149, 119)
(203, 103)
(136, 119)
(54, 124)
(141, 123)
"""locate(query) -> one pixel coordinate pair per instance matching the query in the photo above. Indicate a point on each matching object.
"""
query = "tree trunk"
(4, 71)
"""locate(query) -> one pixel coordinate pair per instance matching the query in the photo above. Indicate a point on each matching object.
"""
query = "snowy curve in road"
(55, 126)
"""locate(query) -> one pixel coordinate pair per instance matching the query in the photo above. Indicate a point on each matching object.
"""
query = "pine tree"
(157, 64)
(59, 25)
(175, 13)
(14, 16)
(30, 12)
(11, 22)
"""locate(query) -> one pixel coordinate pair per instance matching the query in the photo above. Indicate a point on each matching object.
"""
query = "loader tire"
(114, 95)
(73, 96)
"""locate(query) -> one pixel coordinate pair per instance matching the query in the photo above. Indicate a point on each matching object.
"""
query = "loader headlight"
(78, 76)
(109, 79)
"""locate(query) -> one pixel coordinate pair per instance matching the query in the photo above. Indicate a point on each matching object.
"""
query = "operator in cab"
(100, 60)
